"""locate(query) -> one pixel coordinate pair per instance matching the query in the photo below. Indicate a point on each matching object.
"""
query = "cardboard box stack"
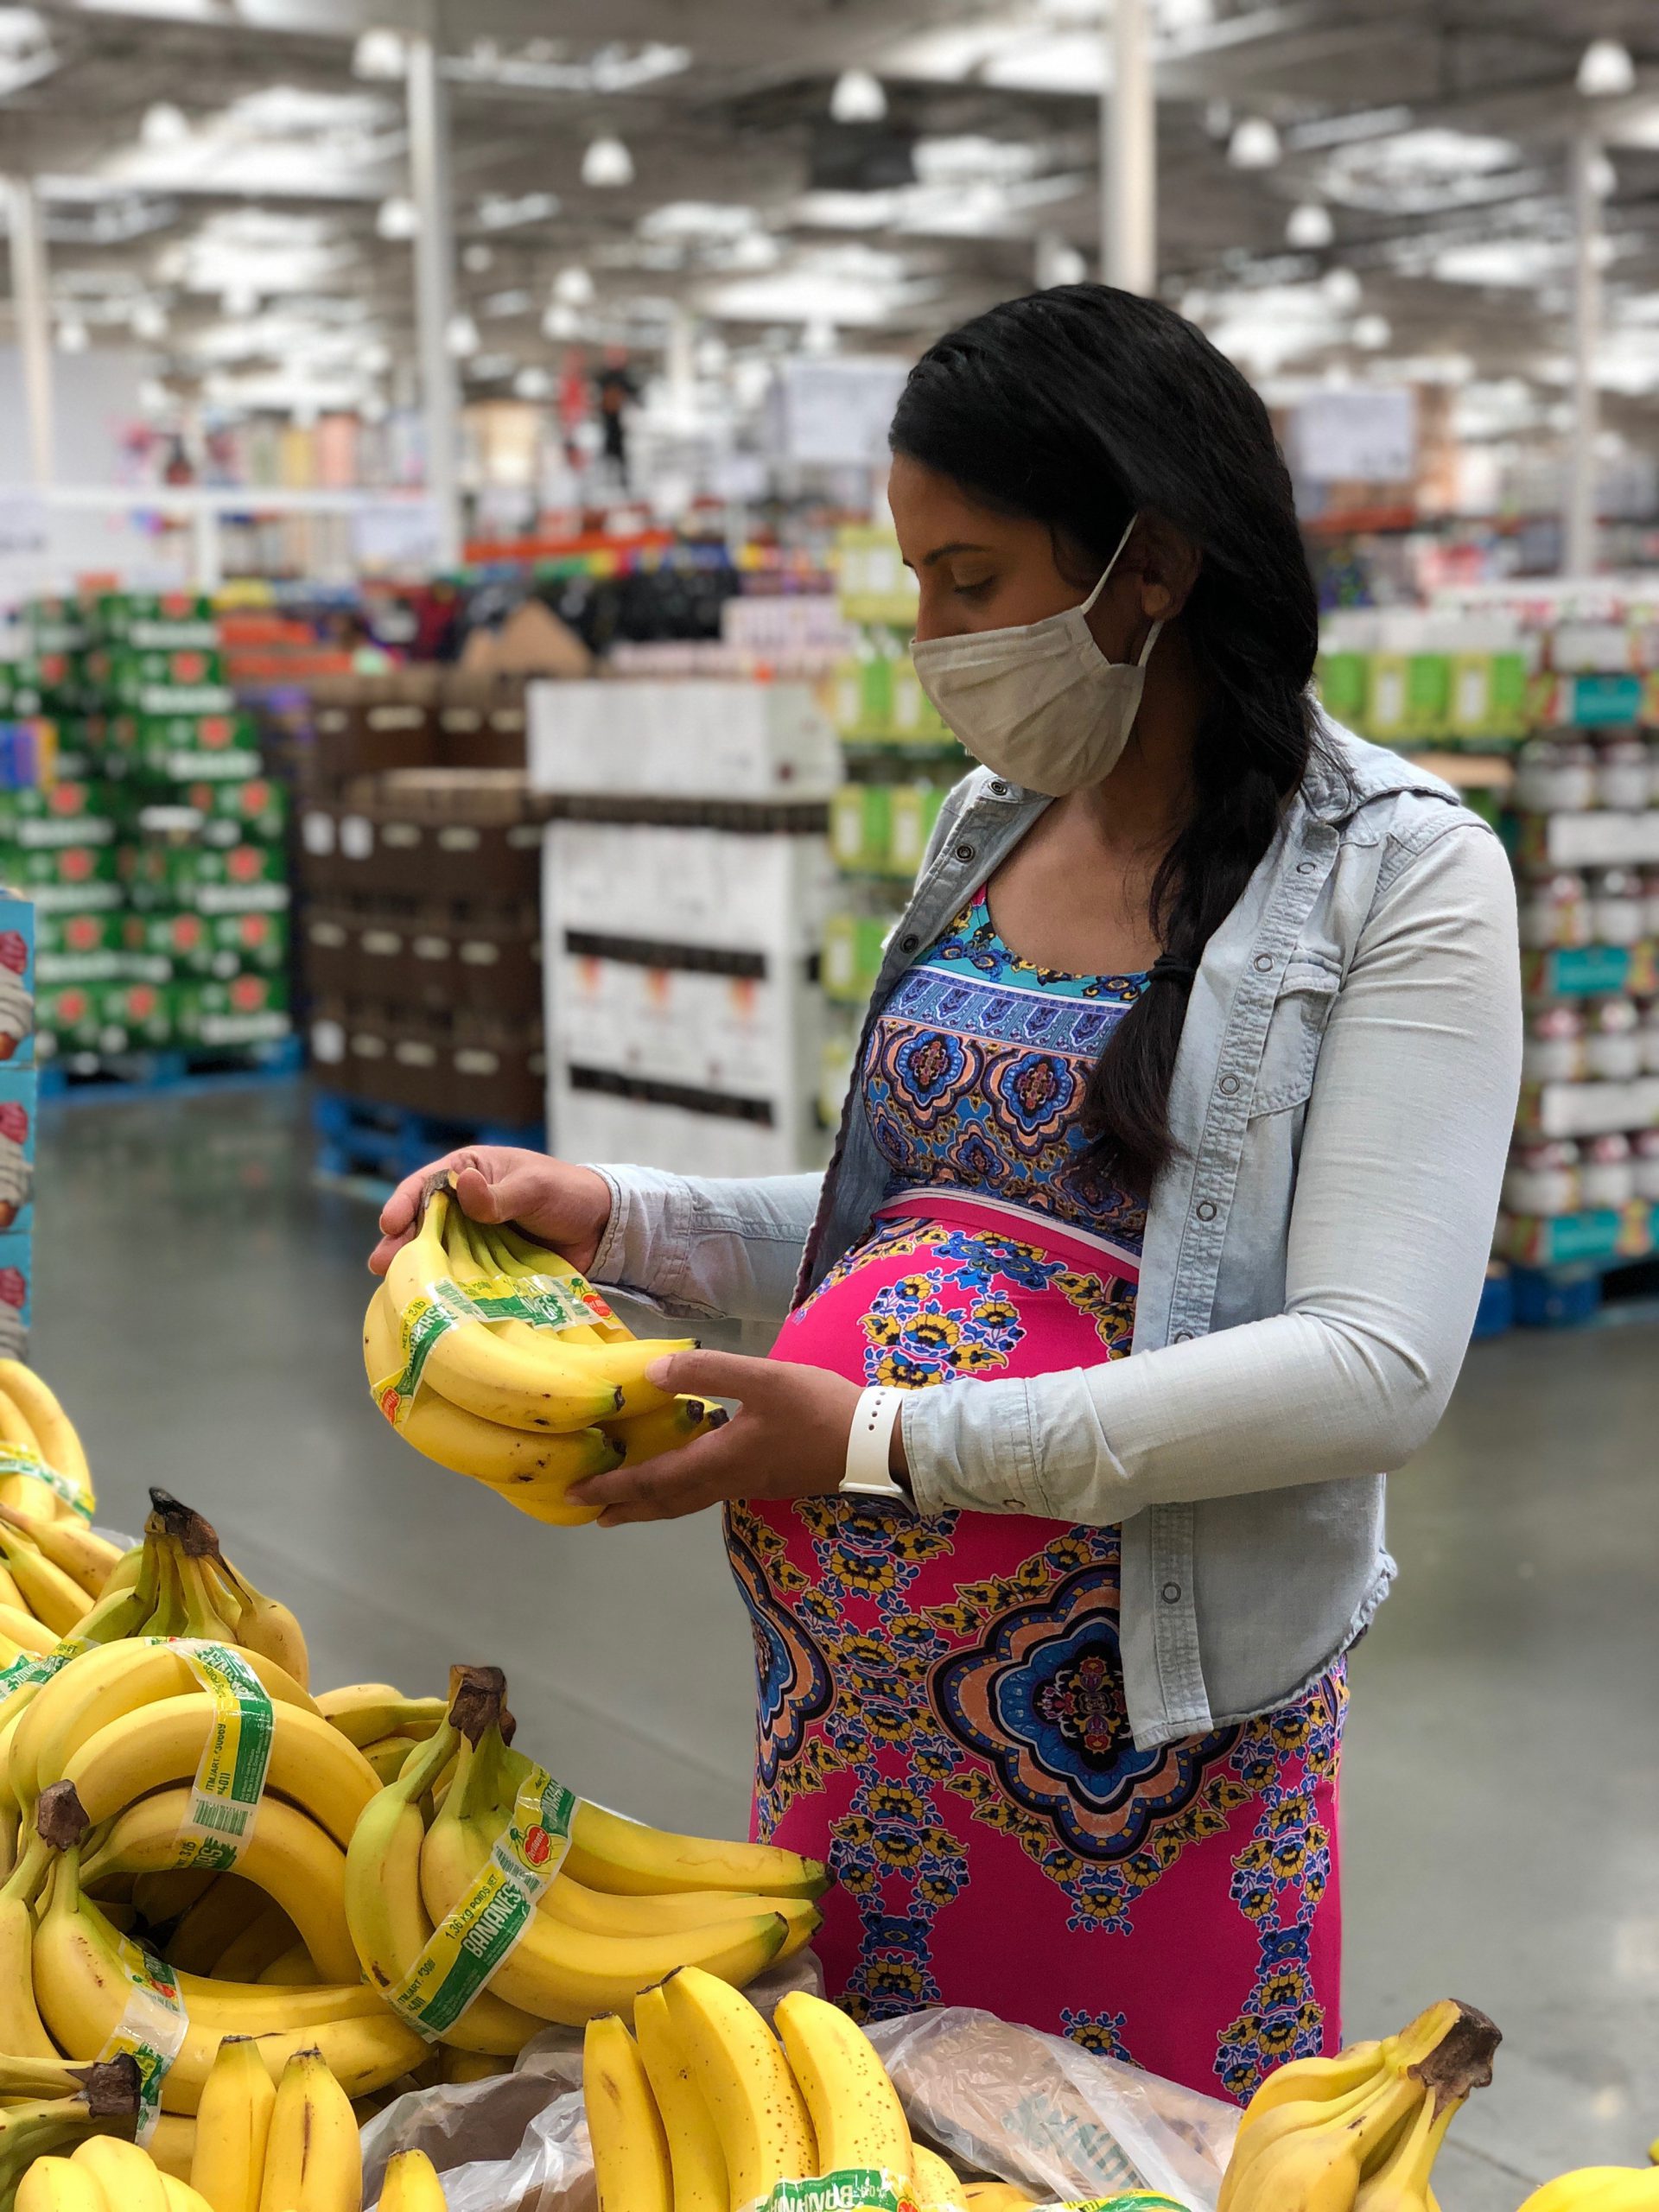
(420, 861)
(156, 855)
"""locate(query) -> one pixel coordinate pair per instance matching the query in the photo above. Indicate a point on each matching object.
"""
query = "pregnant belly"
(951, 1289)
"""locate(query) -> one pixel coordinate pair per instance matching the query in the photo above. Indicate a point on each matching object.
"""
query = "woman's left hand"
(787, 1440)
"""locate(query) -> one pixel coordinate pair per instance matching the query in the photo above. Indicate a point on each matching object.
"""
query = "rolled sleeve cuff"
(645, 1247)
(972, 1446)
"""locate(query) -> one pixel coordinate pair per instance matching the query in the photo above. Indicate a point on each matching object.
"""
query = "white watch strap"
(868, 1445)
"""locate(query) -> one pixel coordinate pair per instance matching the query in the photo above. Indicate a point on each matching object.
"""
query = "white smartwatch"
(869, 1444)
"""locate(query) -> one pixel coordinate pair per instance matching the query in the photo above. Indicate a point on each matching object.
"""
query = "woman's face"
(982, 570)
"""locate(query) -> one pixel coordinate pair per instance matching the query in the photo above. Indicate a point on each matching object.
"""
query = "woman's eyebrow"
(957, 546)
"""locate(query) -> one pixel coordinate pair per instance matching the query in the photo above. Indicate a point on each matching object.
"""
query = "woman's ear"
(1168, 563)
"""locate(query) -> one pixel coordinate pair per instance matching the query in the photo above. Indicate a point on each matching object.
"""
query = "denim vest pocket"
(1300, 1012)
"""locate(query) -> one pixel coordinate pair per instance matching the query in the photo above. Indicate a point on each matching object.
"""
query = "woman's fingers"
(713, 1374)
(682, 1481)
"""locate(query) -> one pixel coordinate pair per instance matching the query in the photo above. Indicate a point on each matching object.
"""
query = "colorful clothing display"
(946, 1694)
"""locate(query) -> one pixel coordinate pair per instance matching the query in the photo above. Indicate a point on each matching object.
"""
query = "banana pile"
(43, 1470)
(1598, 2188)
(1360, 2133)
(47, 2109)
(598, 1909)
(496, 1360)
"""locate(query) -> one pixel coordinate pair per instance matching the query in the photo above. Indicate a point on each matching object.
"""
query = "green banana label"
(229, 1777)
(540, 1300)
(15, 1460)
(850, 2189)
(151, 2030)
(467, 1951)
(32, 1669)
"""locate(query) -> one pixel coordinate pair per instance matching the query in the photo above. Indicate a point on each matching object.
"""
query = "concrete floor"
(198, 1303)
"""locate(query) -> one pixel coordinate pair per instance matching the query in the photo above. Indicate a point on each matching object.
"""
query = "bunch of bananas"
(1598, 2188)
(496, 1360)
(45, 1471)
(1360, 2133)
(48, 2108)
(627, 1904)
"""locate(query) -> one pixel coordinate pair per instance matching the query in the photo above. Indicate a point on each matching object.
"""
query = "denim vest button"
(1000, 790)
(910, 943)
(1171, 1593)
(1262, 961)
(1229, 1084)
(1207, 1209)
(1305, 867)
(1183, 1336)
(964, 852)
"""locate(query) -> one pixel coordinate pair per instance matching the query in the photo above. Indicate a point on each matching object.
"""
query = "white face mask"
(1039, 703)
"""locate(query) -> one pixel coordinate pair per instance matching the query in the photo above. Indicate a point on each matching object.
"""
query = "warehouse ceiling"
(226, 183)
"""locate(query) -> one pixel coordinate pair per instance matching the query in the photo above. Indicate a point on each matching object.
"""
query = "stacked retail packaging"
(1569, 744)
(420, 857)
(898, 762)
(148, 837)
(686, 888)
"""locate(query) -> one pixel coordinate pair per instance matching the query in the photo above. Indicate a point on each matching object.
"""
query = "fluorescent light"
(164, 124)
(1373, 332)
(240, 299)
(573, 287)
(1341, 288)
(1310, 226)
(72, 336)
(381, 56)
(477, 260)
(499, 211)
(397, 218)
(1604, 177)
(1254, 145)
(515, 300)
(150, 322)
(533, 384)
(608, 164)
(1605, 70)
(461, 337)
(561, 320)
(698, 219)
(858, 98)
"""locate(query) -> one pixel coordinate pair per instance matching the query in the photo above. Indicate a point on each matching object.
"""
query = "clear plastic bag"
(998, 2100)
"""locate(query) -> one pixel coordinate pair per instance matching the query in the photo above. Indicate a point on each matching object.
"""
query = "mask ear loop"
(1088, 606)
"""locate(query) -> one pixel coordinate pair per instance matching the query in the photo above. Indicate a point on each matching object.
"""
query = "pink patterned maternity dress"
(941, 1701)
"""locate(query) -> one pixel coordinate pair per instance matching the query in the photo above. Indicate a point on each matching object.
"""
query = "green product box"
(1344, 681)
(847, 826)
(242, 1010)
(135, 1014)
(69, 812)
(914, 719)
(847, 697)
(66, 877)
(250, 942)
(852, 956)
(164, 622)
(77, 947)
(876, 710)
(22, 690)
(1386, 708)
(184, 748)
(57, 626)
(1428, 695)
(256, 809)
(164, 875)
(187, 681)
(167, 944)
(915, 810)
(67, 1017)
(1509, 695)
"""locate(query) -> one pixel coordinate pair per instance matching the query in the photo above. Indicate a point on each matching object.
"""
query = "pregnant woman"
(1154, 1228)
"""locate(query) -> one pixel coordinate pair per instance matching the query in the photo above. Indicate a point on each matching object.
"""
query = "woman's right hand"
(565, 1207)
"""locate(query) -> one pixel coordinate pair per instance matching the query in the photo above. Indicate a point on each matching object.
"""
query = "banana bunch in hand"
(1359, 2133)
(496, 1360)
(626, 1905)
(1598, 2188)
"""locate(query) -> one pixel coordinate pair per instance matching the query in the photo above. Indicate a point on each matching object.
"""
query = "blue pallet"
(359, 1138)
(1495, 1316)
(80, 1077)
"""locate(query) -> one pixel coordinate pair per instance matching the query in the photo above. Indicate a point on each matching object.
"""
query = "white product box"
(1603, 840)
(704, 739)
(1588, 1110)
(734, 1034)
(769, 893)
(640, 1133)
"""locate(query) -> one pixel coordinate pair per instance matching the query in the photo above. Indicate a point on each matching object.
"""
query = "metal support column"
(435, 262)
(31, 299)
(1578, 505)
(1129, 150)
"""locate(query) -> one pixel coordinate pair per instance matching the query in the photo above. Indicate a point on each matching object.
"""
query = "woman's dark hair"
(1079, 407)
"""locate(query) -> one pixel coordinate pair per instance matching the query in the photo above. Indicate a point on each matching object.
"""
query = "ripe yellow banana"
(82, 1970)
(70, 1545)
(630, 2167)
(1400, 2183)
(938, 2188)
(311, 1763)
(103, 1686)
(411, 2184)
(522, 1386)
(16, 1428)
(264, 1940)
(127, 2176)
(180, 2198)
(51, 1595)
(695, 2154)
(1309, 2080)
(173, 2146)
(388, 1757)
(609, 1852)
(23, 2031)
(233, 2124)
(287, 1856)
(1318, 2168)
(516, 1254)
(294, 1969)
(59, 2186)
(364, 1712)
(736, 2062)
(228, 1906)
(60, 1446)
(22, 1629)
(532, 1469)
(264, 1624)
(313, 2162)
(388, 1925)
(857, 2119)
(1598, 2188)
(647, 1436)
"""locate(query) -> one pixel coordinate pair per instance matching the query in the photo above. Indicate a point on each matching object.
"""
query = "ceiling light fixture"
(1341, 288)
(461, 337)
(72, 336)
(1310, 226)
(478, 260)
(1604, 177)
(239, 301)
(533, 384)
(1605, 70)
(381, 57)
(1373, 332)
(150, 322)
(397, 218)
(561, 322)
(608, 164)
(574, 287)
(1254, 145)
(858, 98)
(164, 124)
